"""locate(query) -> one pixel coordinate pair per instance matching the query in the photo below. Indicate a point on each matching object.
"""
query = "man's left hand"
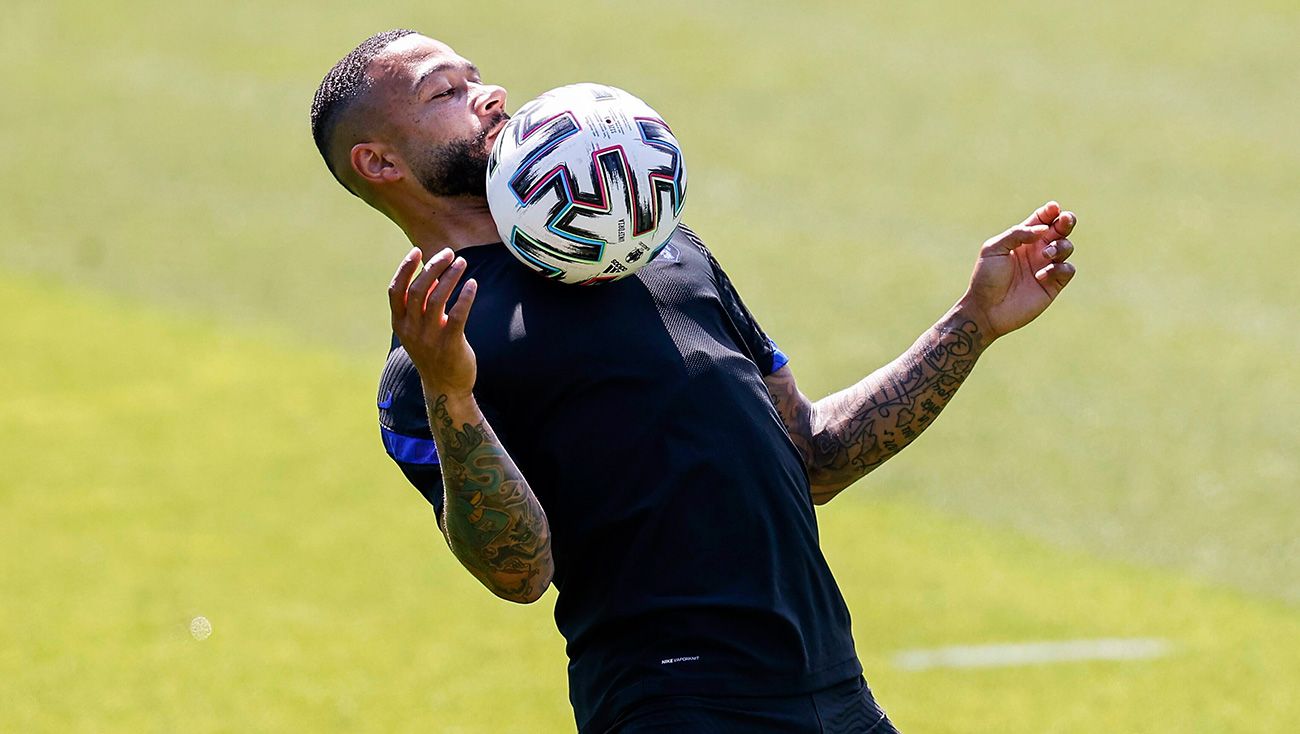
(1021, 271)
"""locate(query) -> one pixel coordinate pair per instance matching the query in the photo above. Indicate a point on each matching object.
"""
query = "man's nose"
(490, 99)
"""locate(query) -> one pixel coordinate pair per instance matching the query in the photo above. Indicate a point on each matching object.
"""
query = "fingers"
(1050, 213)
(1060, 222)
(1059, 251)
(460, 310)
(1054, 277)
(418, 292)
(1045, 214)
(446, 282)
(1013, 238)
(1064, 224)
(401, 281)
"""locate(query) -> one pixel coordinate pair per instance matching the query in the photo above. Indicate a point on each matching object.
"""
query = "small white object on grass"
(200, 628)
(1032, 653)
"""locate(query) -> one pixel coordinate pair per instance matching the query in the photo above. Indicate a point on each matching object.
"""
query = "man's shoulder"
(401, 395)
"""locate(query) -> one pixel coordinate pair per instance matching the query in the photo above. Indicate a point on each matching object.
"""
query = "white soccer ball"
(586, 184)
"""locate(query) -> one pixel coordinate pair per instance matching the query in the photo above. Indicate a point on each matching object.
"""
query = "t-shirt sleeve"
(761, 349)
(404, 427)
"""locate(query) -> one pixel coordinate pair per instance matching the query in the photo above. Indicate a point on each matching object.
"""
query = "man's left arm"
(844, 436)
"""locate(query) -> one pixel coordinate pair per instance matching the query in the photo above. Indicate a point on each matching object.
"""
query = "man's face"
(443, 116)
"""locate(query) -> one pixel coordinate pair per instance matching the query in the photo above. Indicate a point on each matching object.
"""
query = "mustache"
(498, 119)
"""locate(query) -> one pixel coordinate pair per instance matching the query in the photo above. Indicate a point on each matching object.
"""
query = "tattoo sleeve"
(844, 436)
(493, 521)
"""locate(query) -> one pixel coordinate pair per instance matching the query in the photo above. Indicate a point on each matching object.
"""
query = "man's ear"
(375, 163)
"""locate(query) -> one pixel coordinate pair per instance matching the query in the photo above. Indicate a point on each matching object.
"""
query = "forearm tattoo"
(846, 435)
(493, 522)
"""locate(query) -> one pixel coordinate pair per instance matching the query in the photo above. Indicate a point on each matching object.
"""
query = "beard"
(458, 168)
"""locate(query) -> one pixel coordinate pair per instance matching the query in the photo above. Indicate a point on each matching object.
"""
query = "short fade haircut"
(342, 87)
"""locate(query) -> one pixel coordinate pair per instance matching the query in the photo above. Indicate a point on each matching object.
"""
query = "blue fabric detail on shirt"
(409, 449)
(779, 359)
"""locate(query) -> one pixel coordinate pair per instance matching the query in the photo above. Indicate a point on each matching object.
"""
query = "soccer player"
(642, 444)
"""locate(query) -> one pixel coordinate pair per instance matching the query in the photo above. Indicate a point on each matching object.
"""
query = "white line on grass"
(1032, 653)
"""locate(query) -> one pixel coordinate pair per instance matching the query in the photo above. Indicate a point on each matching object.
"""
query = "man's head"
(404, 115)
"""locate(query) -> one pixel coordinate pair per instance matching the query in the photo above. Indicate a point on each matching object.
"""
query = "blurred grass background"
(194, 323)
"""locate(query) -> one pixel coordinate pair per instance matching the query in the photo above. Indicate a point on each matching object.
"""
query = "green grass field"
(194, 323)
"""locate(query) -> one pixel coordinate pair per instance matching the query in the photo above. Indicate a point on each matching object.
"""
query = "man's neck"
(455, 222)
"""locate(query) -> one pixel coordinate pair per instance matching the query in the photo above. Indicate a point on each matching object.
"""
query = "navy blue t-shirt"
(685, 543)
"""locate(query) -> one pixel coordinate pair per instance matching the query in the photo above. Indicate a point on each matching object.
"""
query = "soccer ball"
(586, 184)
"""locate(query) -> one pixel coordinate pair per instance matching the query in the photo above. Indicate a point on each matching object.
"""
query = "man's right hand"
(434, 338)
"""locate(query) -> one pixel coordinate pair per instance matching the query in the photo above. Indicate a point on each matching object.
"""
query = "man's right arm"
(491, 518)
